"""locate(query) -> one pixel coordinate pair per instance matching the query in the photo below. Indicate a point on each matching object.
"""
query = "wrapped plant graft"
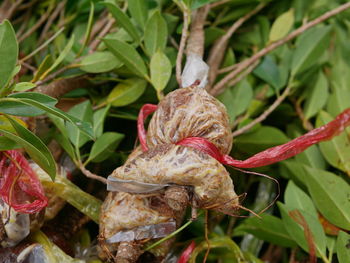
(180, 161)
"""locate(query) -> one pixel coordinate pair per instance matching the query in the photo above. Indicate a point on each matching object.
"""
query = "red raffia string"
(146, 110)
(185, 256)
(20, 188)
(267, 157)
(277, 153)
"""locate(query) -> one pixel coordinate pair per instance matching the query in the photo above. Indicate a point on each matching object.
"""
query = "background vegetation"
(100, 61)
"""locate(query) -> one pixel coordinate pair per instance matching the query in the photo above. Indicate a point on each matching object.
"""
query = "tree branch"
(264, 114)
(220, 86)
(195, 43)
(183, 40)
(216, 54)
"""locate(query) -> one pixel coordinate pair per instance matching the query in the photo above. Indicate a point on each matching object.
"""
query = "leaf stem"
(171, 235)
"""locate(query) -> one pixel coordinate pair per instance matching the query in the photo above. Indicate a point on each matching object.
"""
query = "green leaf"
(282, 25)
(309, 48)
(36, 149)
(104, 146)
(83, 112)
(100, 61)
(126, 92)
(98, 120)
(331, 196)
(60, 58)
(295, 198)
(317, 97)
(156, 33)
(8, 52)
(338, 101)
(24, 86)
(8, 144)
(44, 66)
(122, 19)
(268, 228)
(335, 151)
(343, 247)
(160, 70)
(294, 170)
(260, 139)
(296, 231)
(139, 11)
(268, 71)
(84, 127)
(128, 55)
(237, 99)
(14, 104)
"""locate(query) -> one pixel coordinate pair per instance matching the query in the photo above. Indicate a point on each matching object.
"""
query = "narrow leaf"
(36, 149)
(8, 52)
(99, 61)
(60, 58)
(126, 92)
(128, 55)
(156, 33)
(122, 19)
(139, 11)
(105, 146)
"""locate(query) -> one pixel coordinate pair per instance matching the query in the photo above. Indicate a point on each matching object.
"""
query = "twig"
(91, 175)
(43, 45)
(306, 124)
(206, 236)
(52, 76)
(195, 42)
(28, 66)
(52, 18)
(174, 43)
(244, 74)
(213, 5)
(183, 40)
(94, 44)
(219, 87)
(35, 27)
(264, 114)
(12, 8)
(217, 52)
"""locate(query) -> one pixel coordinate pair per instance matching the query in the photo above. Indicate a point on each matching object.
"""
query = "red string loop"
(20, 188)
(146, 110)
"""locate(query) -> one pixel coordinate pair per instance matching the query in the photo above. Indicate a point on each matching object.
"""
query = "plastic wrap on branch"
(20, 188)
(195, 70)
(14, 226)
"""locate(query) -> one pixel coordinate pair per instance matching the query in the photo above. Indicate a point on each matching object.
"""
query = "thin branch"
(220, 86)
(52, 18)
(264, 114)
(244, 74)
(213, 5)
(12, 8)
(217, 52)
(195, 42)
(94, 44)
(43, 45)
(35, 27)
(91, 175)
(183, 40)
